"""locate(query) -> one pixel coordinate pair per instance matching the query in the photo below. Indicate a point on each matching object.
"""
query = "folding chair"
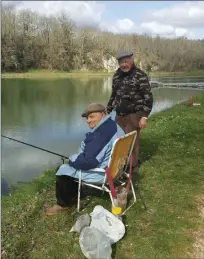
(121, 157)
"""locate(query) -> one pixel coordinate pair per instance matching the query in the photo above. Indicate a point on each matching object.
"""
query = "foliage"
(33, 41)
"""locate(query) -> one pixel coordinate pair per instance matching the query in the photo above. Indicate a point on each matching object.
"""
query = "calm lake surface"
(46, 113)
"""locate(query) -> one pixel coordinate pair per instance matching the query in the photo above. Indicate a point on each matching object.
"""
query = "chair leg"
(112, 201)
(111, 197)
(79, 192)
(133, 191)
(134, 198)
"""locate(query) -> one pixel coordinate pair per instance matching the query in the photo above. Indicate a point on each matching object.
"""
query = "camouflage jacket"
(131, 92)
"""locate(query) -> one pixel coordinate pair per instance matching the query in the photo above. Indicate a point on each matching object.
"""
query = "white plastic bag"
(81, 222)
(94, 244)
(107, 223)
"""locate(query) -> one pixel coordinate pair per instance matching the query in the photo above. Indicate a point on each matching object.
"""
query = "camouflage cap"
(93, 107)
(124, 54)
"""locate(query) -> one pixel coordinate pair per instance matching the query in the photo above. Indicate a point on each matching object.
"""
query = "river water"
(46, 113)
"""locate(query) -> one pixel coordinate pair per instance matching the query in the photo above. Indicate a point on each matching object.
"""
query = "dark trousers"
(66, 190)
(130, 123)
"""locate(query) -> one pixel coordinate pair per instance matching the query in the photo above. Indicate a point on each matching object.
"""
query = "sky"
(164, 18)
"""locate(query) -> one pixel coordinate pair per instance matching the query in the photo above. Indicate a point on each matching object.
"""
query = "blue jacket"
(94, 152)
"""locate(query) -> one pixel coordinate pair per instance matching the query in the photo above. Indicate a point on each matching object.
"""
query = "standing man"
(131, 98)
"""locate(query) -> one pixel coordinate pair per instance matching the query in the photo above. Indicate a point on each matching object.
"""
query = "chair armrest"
(97, 170)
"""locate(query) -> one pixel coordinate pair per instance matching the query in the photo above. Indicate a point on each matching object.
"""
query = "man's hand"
(143, 122)
(65, 160)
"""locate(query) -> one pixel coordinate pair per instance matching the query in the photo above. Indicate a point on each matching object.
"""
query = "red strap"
(110, 182)
(110, 179)
(130, 175)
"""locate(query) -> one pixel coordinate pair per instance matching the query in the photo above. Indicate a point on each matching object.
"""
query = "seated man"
(94, 152)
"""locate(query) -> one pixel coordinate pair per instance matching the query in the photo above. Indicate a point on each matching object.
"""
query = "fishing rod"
(62, 156)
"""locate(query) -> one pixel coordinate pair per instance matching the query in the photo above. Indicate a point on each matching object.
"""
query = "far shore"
(61, 74)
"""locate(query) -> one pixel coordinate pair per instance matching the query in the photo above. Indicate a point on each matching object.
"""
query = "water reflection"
(167, 97)
(47, 113)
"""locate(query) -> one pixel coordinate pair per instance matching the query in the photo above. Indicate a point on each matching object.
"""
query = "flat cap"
(124, 54)
(93, 107)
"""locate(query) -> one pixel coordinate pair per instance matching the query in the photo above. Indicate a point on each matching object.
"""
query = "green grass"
(35, 73)
(170, 180)
(54, 74)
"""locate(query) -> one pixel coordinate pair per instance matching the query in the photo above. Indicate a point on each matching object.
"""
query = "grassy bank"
(171, 183)
(54, 74)
(60, 74)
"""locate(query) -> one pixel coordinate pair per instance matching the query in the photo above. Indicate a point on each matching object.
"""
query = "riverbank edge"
(60, 74)
(22, 206)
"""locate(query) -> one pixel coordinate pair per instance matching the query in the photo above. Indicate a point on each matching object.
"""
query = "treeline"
(33, 41)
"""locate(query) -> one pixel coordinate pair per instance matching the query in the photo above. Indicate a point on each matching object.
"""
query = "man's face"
(125, 64)
(94, 118)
